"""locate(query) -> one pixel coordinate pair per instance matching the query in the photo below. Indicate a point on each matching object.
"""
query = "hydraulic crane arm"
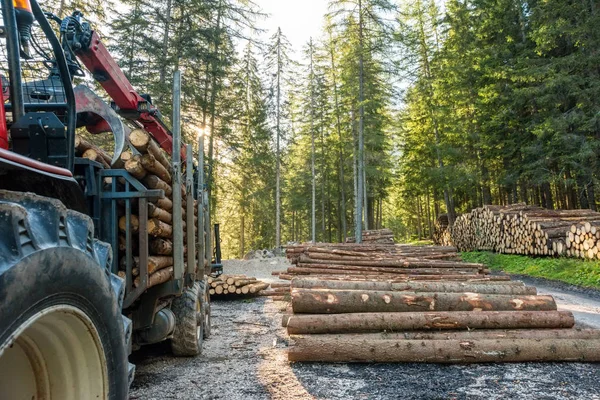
(87, 46)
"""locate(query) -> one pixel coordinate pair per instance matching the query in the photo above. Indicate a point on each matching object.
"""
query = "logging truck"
(101, 250)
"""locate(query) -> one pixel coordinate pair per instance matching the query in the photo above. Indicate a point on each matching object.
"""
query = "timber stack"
(152, 166)
(365, 260)
(529, 230)
(243, 285)
(379, 236)
(441, 233)
(459, 314)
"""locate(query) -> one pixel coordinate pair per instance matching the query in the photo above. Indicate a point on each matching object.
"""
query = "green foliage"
(502, 108)
(478, 102)
(572, 271)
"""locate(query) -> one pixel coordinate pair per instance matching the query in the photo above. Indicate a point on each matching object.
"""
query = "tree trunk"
(312, 153)
(357, 216)
(383, 348)
(447, 287)
(242, 236)
(277, 151)
(161, 247)
(160, 229)
(213, 97)
(323, 178)
(591, 195)
(338, 125)
(425, 321)
(315, 301)
(165, 45)
(361, 123)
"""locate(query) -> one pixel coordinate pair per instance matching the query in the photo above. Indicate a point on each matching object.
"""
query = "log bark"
(141, 140)
(327, 275)
(385, 270)
(161, 247)
(82, 145)
(152, 165)
(158, 213)
(431, 287)
(244, 282)
(95, 155)
(158, 277)
(314, 301)
(330, 270)
(135, 168)
(160, 229)
(395, 263)
(164, 203)
(280, 285)
(378, 348)
(155, 263)
(126, 156)
(257, 287)
(154, 182)
(134, 223)
(424, 321)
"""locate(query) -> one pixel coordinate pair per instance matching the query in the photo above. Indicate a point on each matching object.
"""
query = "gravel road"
(246, 359)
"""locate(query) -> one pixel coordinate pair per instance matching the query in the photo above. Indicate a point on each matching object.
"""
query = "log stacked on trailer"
(380, 236)
(152, 167)
(240, 285)
(86, 149)
(451, 317)
(529, 230)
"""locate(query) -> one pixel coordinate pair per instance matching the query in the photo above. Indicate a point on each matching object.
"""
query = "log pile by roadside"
(380, 236)
(392, 261)
(529, 230)
(386, 309)
(441, 233)
(244, 285)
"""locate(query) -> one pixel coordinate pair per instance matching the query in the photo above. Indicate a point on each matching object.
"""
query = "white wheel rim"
(56, 354)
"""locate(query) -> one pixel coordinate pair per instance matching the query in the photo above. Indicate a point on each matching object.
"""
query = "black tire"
(204, 289)
(49, 259)
(189, 333)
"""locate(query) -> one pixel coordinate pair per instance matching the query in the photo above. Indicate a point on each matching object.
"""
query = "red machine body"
(105, 70)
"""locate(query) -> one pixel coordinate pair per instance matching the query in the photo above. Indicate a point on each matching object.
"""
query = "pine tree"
(280, 68)
(363, 19)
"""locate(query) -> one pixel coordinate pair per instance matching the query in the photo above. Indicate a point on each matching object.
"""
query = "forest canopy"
(439, 107)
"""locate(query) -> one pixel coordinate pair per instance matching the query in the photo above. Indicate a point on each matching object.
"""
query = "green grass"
(417, 242)
(569, 270)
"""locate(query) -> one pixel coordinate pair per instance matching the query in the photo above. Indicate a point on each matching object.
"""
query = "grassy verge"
(417, 242)
(569, 270)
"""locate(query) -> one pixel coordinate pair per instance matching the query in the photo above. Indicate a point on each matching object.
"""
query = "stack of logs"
(405, 316)
(441, 233)
(529, 230)
(245, 285)
(379, 236)
(368, 260)
(235, 284)
(152, 167)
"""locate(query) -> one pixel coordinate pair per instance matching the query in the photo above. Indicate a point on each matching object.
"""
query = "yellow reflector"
(22, 4)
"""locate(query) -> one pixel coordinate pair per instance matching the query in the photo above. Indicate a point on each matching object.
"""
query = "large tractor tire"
(188, 335)
(62, 334)
(204, 289)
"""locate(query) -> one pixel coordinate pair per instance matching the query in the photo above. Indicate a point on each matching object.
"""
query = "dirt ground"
(246, 358)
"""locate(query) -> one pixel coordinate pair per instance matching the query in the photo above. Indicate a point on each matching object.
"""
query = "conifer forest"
(398, 112)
